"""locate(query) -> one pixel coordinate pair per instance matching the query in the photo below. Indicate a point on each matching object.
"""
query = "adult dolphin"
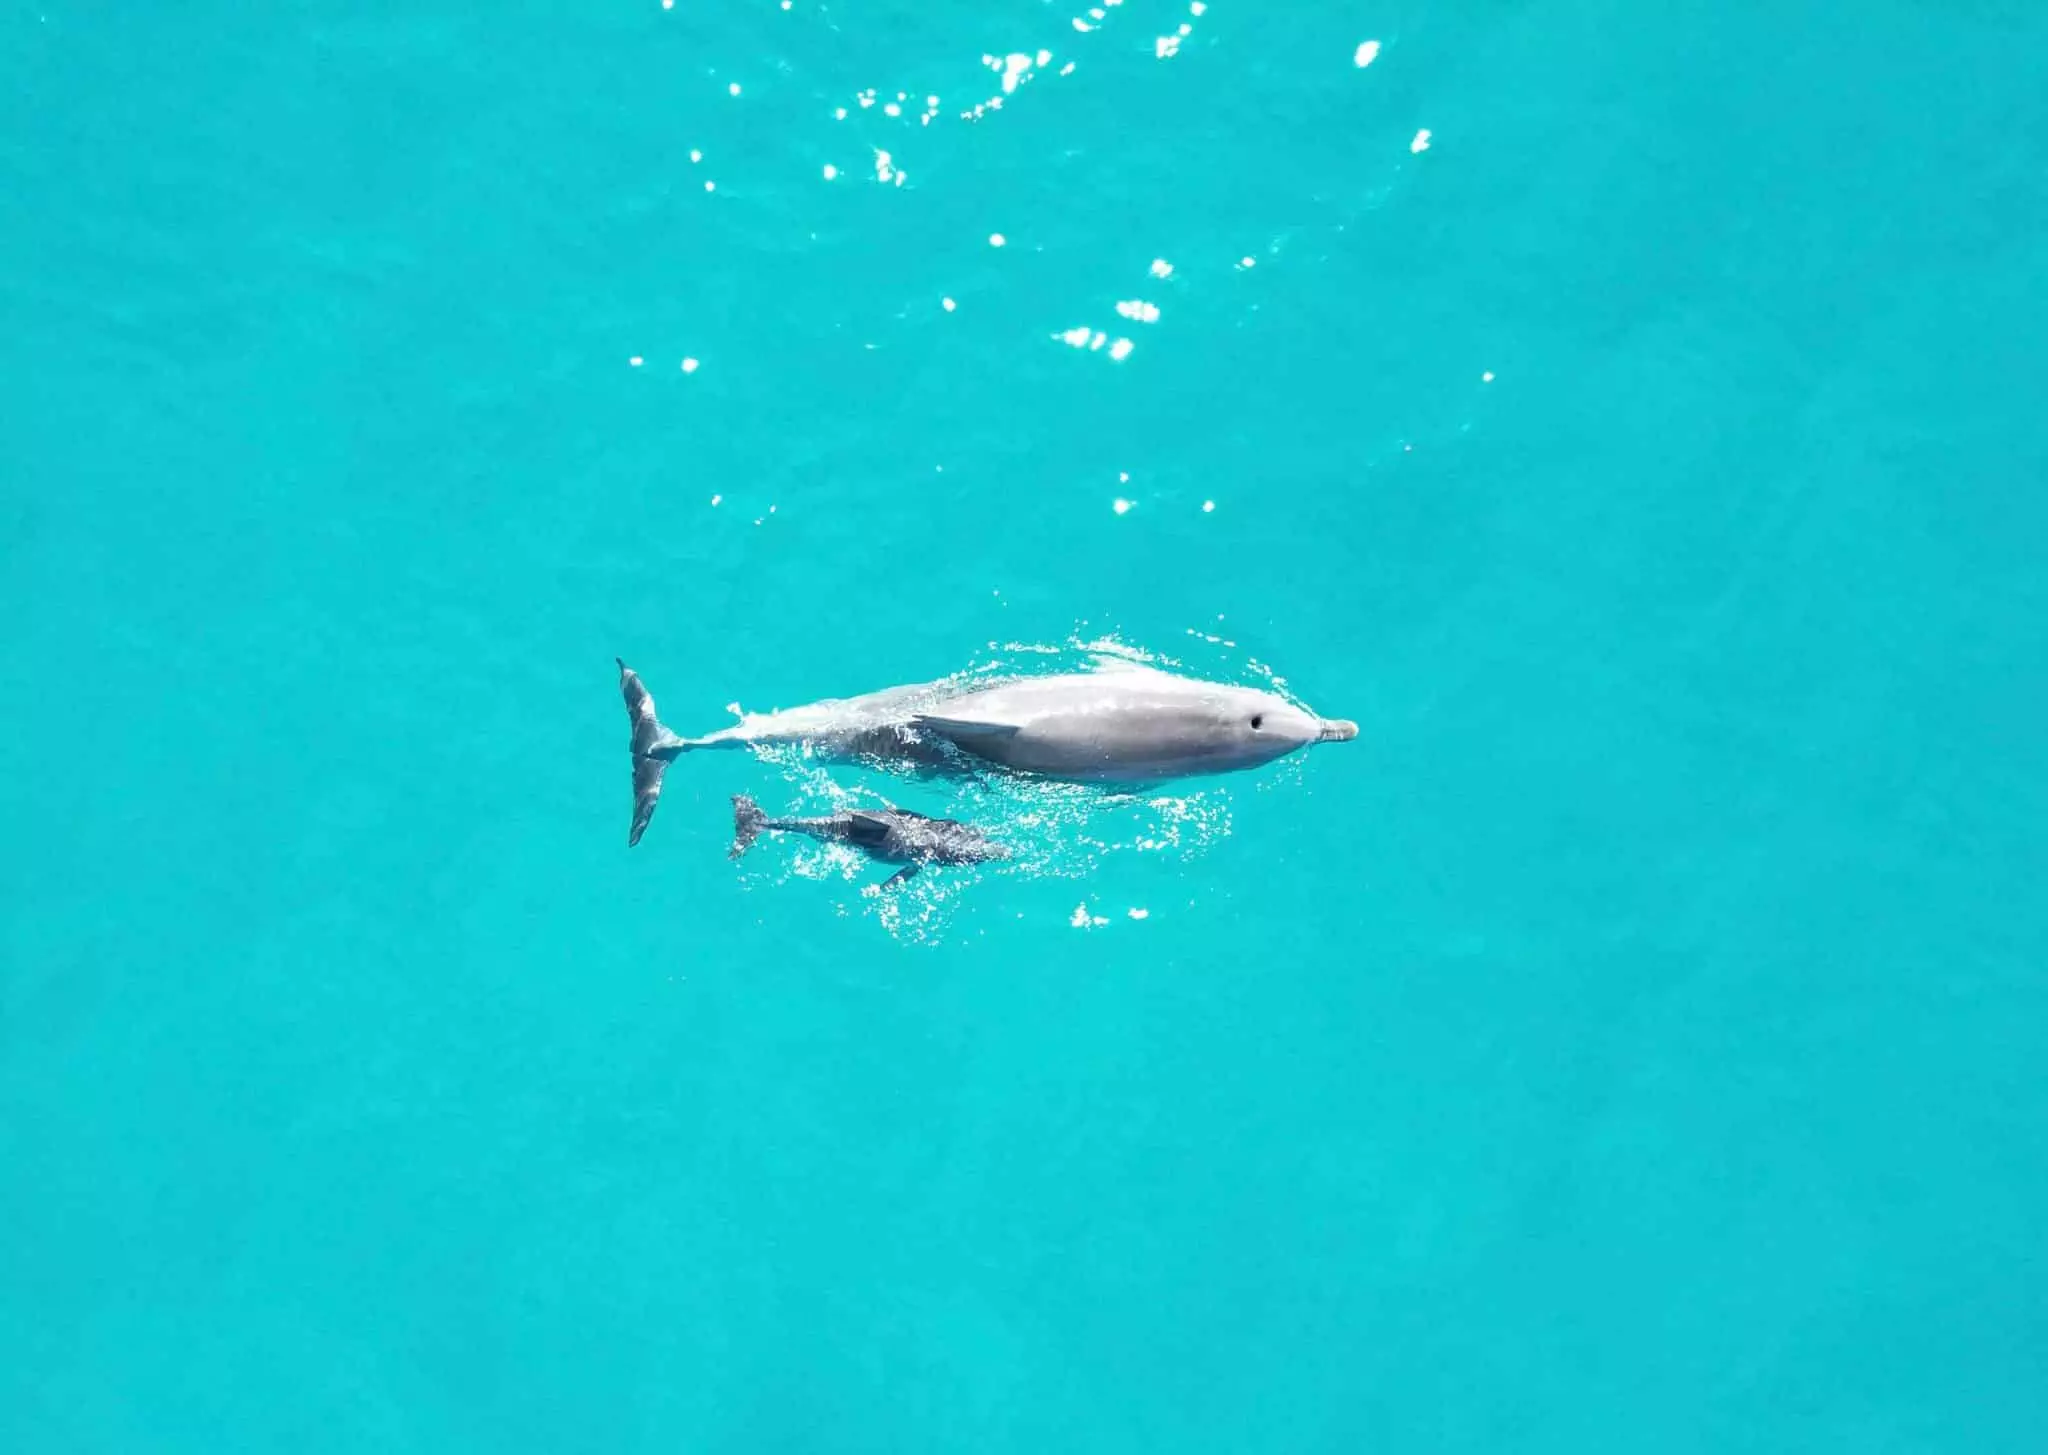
(1123, 724)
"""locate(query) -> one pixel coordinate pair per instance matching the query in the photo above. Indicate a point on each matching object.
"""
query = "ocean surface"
(1630, 415)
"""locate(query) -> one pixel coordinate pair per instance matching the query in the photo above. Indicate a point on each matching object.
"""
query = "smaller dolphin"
(891, 835)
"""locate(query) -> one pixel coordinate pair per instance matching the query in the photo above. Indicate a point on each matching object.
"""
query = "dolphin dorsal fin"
(965, 730)
(1118, 662)
(867, 828)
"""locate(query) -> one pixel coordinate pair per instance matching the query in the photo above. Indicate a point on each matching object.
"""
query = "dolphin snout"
(1338, 730)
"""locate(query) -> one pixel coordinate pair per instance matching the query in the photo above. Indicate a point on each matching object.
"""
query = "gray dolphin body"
(1124, 724)
(890, 835)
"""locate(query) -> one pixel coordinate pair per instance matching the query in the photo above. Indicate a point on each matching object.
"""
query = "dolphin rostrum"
(890, 835)
(1124, 724)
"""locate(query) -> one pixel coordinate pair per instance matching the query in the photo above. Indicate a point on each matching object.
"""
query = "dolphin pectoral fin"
(899, 876)
(966, 731)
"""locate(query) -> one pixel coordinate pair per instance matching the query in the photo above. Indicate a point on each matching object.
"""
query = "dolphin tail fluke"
(646, 794)
(747, 823)
(653, 747)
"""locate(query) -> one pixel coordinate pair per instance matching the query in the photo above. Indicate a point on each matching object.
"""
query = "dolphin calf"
(1124, 724)
(891, 835)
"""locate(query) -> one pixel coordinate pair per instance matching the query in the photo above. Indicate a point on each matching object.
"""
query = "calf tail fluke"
(747, 823)
(653, 747)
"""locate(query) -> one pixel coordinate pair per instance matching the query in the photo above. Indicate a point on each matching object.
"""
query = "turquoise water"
(1633, 1041)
